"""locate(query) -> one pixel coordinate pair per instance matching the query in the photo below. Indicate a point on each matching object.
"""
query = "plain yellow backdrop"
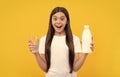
(21, 20)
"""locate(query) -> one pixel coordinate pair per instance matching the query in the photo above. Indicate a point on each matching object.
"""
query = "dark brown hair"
(69, 38)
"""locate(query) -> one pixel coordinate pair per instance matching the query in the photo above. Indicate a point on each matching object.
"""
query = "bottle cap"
(86, 26)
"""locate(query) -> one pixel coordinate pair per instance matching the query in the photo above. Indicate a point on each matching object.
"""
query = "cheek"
(53, 23)
(64, 23)
(64, 26)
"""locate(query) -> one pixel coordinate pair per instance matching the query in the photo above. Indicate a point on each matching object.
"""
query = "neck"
(60, 33)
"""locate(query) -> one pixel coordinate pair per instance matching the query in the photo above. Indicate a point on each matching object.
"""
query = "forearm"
(79, 62)
(40, 62)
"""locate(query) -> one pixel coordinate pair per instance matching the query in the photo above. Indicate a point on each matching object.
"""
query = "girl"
(58, 51)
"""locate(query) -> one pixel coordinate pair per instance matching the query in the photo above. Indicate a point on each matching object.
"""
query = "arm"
(79, 61)
(33, 47)
(41, 61)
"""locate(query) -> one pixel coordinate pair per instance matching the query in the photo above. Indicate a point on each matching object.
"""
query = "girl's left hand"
(92, 46)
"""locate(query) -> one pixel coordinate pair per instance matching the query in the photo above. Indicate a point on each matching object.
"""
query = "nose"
(58, 21)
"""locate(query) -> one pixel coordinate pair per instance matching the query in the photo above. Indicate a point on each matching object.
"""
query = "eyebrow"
(56, 16)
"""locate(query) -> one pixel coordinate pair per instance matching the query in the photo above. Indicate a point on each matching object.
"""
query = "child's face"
(59, 21)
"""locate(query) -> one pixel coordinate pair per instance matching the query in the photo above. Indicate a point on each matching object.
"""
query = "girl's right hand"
(34, 46)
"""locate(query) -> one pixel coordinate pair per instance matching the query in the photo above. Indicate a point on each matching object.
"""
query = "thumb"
(37, 40)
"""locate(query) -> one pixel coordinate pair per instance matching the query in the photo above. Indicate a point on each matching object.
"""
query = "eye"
(62, 19)
(54, 19)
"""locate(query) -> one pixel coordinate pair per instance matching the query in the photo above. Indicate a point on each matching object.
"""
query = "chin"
(59, 31)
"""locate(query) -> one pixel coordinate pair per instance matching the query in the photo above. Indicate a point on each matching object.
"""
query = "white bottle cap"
(86, 26)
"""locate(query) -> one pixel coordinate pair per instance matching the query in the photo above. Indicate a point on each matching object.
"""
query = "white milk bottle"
(86, 40)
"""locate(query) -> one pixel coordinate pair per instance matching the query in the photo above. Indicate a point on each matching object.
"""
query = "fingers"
(33, 46)
(30, 43)
(92, 46)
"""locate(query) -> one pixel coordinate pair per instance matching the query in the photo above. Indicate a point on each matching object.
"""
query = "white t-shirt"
(60, 56)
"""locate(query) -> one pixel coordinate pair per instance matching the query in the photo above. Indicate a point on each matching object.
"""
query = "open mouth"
(58, 26)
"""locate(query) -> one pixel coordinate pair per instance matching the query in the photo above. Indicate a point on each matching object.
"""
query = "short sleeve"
(77, 44)
(42, 45)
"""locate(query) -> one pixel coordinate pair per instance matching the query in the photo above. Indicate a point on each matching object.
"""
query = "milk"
(86, 40)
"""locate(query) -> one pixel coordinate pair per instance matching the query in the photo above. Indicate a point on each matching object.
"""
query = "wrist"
(35, 52)
(85, 54)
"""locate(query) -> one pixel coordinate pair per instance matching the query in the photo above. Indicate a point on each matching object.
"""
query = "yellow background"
(24, 19)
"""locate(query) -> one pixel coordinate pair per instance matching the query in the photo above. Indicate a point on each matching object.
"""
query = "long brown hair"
(69, 38)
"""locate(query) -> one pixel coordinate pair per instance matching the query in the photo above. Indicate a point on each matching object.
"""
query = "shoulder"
(75, 37)
(43, 38)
